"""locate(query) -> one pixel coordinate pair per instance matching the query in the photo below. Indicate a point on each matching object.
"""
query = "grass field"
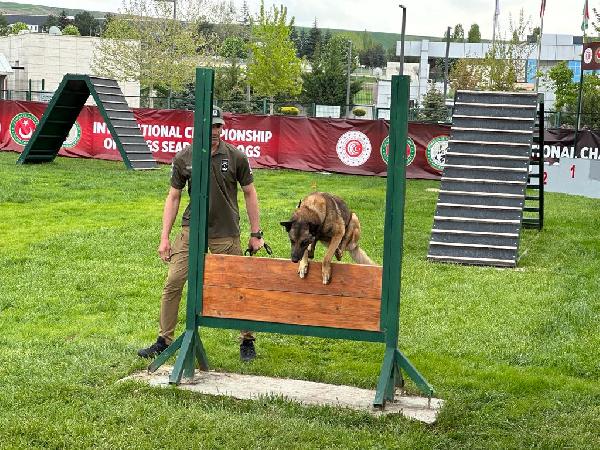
(513, 352)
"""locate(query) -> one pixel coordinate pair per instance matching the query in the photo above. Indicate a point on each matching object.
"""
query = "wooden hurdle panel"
(270, 290)
(266, 295)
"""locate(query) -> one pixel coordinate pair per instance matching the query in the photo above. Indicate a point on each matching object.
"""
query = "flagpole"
(584, 26)
(538, 68)
(495, 25)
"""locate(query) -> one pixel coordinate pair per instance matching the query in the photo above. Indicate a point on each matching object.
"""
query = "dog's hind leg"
(352, 234)
(357, 254)
(333, 247)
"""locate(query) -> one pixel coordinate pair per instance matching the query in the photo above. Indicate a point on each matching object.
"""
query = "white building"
(554, 48)
(44, 59)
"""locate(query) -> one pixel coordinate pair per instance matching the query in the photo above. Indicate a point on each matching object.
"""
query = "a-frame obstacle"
(265, 294)
(63, 110)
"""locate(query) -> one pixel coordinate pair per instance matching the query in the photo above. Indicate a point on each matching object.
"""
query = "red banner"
(311, 144)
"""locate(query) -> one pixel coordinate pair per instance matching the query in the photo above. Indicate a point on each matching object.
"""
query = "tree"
(535, 34)
(313, 41)
(373, 57)
(4, 29)
(108, 18)
(86, 23)
(474, 35)
(560, 79)
(301, 44)
(71, 30)
(391, 54)
(466, 74)
(506, 59)
(63, 21)
(146, 44)
(273, 69)
(51, 21)
(230, 88)
(233, 47)
(326, 84)
(433, 107)
(501, 65)
(458, 34)
(17, 27)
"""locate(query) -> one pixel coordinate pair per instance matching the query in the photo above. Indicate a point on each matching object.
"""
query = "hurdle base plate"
(252, 387)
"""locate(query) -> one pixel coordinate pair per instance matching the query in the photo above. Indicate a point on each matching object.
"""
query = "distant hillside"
(20, 8)
(386, 39)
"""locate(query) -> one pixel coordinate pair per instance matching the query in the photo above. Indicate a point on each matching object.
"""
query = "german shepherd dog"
(324, 217)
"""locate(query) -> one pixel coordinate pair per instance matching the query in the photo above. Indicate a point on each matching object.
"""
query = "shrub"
(289, 110)
(71, 30)
(359, 112)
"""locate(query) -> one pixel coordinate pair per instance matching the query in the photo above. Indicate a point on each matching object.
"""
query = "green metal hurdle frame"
(190, 344)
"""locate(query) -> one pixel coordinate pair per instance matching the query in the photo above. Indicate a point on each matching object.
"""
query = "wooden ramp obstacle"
(63, 110)
(482, 192)
(266, 295)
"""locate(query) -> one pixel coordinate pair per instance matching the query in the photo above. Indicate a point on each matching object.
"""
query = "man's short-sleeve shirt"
(229, 166)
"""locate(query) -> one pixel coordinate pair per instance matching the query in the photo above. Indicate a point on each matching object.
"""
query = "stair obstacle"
(534, 195)
(482, 193)
(63, 110)
(265, 294)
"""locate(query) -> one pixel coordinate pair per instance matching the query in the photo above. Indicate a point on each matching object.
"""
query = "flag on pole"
(586, 17)
(542, 8)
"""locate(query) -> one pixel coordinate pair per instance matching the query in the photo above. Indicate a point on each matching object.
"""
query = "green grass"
(513, 352)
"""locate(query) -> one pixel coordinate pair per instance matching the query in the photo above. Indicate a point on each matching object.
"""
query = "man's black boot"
(247, 351)
(154, 350)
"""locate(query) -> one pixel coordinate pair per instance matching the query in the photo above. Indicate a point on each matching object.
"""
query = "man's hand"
(256, 244)
(164, 250)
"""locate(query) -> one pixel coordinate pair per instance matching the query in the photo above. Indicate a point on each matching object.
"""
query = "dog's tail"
(360, 257)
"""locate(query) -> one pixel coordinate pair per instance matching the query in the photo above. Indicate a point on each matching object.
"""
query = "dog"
(324, 217)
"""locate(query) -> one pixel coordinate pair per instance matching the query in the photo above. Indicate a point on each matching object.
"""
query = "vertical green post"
(191, 347)
(393, 360)
(394, 216)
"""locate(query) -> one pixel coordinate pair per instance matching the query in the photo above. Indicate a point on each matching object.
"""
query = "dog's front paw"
(326, 272)
(302, 269)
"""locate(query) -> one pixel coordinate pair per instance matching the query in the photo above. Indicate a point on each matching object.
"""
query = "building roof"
(26, 19)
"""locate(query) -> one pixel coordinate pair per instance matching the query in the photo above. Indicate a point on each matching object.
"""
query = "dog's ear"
(313, 228)
(287, 224)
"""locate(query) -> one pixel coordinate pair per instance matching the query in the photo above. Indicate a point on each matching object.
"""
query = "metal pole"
(579, 99)
(348, 79)
(446, 64)
(538, 69)
(174, 9)
(496, 14)
(402, 39)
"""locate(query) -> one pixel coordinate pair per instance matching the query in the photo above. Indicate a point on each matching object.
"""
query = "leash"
(250, 252)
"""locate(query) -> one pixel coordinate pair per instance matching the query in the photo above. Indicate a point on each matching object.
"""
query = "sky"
(423, 17)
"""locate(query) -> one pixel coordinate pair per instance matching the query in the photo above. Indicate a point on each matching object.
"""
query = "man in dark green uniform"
(229, 166)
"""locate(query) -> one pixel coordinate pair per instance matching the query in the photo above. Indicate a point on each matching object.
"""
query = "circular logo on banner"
(411, 150)
(436, 152)
(353, 148)
(587, 55)
(22, 127)
(73, 137)
(597, 55)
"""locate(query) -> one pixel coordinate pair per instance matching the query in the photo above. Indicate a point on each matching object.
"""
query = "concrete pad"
(252, 387)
